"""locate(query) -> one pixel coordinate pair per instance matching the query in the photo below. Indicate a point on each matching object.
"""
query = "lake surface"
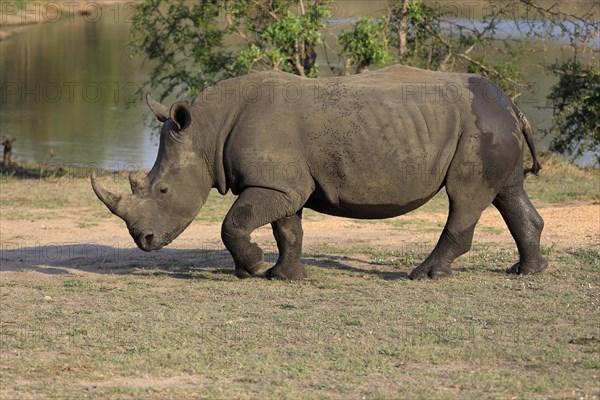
(70, 87)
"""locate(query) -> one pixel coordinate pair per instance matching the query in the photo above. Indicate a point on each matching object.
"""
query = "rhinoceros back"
(374, 145)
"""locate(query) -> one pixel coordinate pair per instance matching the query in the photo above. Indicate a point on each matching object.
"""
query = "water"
(70, 87)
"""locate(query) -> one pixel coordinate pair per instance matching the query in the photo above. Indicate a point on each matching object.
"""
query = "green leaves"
(366, 44)
(576, 104)
(184, 42)
(195, 44)
(288, 43)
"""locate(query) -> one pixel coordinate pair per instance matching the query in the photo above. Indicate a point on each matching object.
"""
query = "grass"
(561, 182)
(478, 334)
(410, 255)
(356, 328)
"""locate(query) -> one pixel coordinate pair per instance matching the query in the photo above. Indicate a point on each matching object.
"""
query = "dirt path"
(65, 245)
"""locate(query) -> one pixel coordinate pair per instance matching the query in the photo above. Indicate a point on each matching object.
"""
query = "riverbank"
(18, 15)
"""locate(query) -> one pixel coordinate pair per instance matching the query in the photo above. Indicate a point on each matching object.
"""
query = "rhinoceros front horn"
(161, 111)
(112, 201)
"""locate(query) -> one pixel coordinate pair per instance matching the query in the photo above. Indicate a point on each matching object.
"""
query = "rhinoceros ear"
(180, 114)
(161, 111)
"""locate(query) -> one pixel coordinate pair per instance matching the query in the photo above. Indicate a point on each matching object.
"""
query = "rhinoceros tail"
(528, 134)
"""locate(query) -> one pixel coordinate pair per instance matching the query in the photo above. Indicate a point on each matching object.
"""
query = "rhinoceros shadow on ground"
(66, 259)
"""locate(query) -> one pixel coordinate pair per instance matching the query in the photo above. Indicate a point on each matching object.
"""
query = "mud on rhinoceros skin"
(344, 146)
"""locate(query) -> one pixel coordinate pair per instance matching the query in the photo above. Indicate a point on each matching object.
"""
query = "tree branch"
(297, 62)
(237, 29)
(403, 28)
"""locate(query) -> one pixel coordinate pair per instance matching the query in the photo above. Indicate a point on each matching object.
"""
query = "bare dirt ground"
(67, 244)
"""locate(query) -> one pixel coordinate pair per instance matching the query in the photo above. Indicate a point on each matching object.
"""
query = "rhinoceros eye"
(163, 188)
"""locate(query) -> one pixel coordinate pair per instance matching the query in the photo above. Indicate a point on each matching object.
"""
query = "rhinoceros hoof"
(248, 272)
(287, 272)
(429, 272)
(529, 268)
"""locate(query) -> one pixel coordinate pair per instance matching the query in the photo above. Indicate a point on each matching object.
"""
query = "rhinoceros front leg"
(288, 234)
(254, 208)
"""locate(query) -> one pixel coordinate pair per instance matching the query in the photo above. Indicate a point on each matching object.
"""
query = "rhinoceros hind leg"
(452, 243)
(469, 195)
(254, 208)
(288, 234)
(525, 225)
(528, 269)
(456, 237)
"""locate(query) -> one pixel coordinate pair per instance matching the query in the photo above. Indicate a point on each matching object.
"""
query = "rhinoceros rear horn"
(112, 201)
(136, 182)
(161, 111)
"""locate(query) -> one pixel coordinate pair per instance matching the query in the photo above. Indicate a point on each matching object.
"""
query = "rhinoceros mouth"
(147, 245)
(148, 241)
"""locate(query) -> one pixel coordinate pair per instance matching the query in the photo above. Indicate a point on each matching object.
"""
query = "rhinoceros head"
(165, 201)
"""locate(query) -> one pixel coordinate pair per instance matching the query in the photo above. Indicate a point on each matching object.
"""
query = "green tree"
(183, 41)
(366, 44)
(414, 30)
(196, 44)
(431, 38)
(576, 104)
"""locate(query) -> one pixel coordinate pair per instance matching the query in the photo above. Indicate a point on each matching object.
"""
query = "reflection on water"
(66, 86)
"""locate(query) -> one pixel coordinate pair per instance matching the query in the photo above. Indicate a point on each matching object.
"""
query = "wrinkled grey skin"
(376, 145)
